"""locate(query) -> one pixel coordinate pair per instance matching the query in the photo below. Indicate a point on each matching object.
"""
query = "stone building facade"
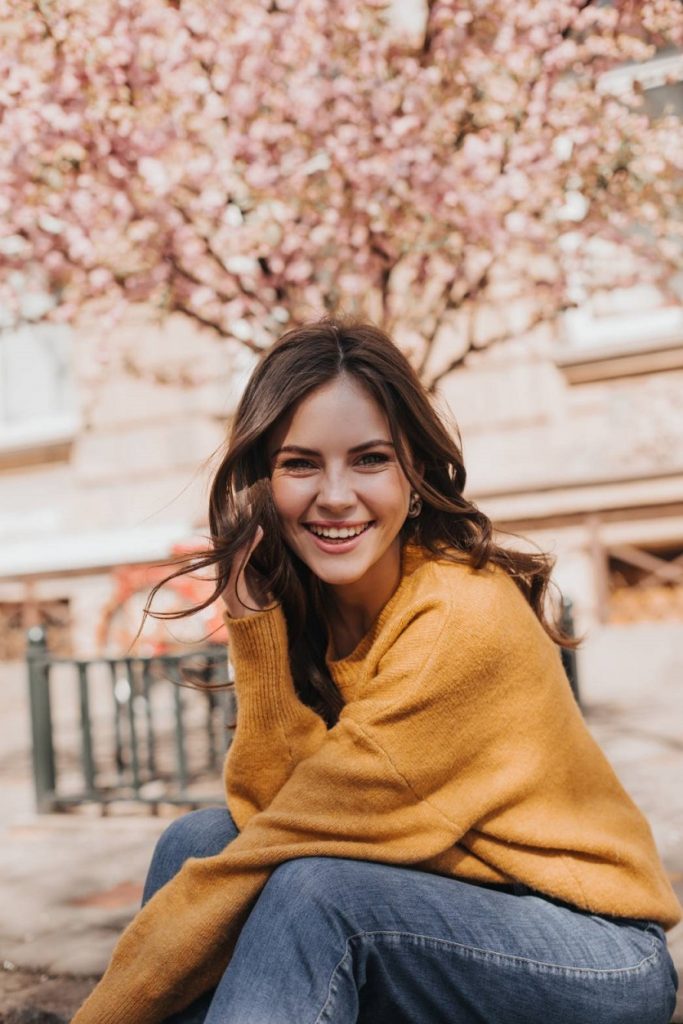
(105, 455)
(572, 438)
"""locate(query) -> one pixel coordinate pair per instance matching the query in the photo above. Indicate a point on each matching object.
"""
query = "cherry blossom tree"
(252, 165)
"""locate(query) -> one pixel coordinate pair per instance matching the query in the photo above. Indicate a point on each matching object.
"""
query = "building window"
(645, 585)
(631, 335)
(16, 617)
(620, 332)
(661, 81)
(37, 396)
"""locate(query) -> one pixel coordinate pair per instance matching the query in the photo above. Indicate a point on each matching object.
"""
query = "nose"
(336, 493)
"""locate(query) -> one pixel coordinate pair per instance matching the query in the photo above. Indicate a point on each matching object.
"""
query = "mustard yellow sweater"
(460, 750)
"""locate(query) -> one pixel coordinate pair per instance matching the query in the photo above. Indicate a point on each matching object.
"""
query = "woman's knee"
(303, 910)
(201, 833)
(324, 884)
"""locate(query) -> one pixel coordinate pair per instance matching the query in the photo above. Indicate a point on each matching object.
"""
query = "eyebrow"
(298, 450)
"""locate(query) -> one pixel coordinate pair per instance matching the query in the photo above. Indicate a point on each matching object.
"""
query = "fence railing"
(568, 655)
(132, 728)
(107, 730)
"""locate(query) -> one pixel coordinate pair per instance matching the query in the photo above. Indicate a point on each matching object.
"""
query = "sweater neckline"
(412, 556)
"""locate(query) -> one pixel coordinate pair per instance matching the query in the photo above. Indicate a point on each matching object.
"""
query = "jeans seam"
(487, 954)
(479, 953)
(331, 991)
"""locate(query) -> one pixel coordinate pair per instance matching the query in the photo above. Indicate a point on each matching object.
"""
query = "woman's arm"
(467, 733)
(345, 800)
(275, 730)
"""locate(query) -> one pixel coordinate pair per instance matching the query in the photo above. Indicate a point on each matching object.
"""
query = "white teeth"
(337, 533)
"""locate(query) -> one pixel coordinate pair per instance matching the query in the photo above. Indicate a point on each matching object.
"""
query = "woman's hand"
(243, 595)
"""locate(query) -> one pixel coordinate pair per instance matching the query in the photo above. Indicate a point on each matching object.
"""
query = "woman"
(420, 827)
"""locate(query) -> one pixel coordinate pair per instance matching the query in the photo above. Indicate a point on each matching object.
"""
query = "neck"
(353, 607)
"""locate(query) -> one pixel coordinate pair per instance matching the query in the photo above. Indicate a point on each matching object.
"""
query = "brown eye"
(296, 464)
(376, 458)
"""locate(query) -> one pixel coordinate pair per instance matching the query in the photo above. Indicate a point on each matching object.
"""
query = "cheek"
(289, 497)
(390, 494)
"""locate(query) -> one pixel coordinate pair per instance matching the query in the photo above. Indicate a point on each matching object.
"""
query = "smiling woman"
(335, 430)
(419, 826)
(342, 505)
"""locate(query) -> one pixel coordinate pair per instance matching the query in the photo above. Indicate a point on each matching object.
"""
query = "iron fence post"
(43, 755)
(132, 725)
(568, 653)
(87, 758)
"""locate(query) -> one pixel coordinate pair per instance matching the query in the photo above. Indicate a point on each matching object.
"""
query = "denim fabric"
(355, 942)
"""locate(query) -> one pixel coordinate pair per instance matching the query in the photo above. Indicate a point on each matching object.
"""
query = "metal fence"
(140, 729)
(132, 728)
(568, 655)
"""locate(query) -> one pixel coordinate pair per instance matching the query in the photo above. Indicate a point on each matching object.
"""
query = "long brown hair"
(448, 525)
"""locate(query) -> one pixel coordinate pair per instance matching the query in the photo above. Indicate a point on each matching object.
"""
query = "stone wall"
(573, 461)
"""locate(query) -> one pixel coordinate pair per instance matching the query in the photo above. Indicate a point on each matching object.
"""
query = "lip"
(336, 547)
(338, 524)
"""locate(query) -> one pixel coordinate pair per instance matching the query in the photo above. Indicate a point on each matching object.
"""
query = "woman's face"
(338, 486)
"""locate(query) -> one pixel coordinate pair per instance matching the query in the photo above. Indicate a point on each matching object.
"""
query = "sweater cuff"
(263, 680)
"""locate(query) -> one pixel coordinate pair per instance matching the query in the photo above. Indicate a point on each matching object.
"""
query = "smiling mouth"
(338, 533)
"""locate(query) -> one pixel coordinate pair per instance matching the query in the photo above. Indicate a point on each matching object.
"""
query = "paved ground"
(68, 884)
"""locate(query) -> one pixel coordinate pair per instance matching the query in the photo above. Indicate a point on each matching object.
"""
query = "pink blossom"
(249, 159)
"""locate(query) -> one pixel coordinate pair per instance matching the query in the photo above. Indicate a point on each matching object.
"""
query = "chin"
(340, 577)
(335, 574)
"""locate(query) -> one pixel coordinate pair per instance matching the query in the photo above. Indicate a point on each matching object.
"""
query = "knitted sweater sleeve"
(275, 730)
(347, 799)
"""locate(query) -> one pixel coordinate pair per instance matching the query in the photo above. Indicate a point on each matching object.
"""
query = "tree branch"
(429, 32)
(189, 275)
(569, 27)
(177, 305)
(543, 316)
(472, 292)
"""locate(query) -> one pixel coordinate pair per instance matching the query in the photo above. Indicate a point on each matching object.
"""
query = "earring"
(415, 506)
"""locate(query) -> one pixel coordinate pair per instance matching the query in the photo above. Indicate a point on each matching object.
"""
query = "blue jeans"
(356, 942)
